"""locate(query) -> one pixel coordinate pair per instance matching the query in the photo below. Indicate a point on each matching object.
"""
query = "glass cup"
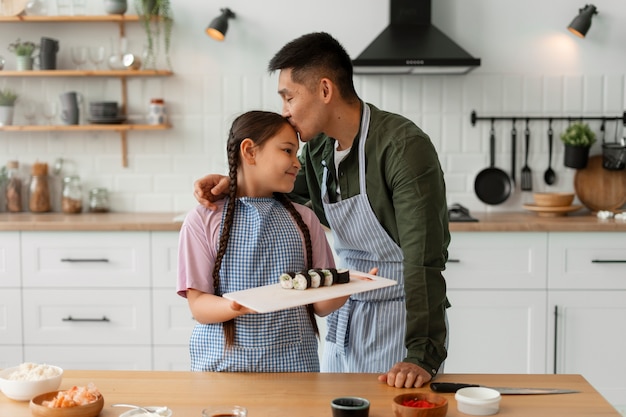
(225, 411)
(64, 7)
(78, 7)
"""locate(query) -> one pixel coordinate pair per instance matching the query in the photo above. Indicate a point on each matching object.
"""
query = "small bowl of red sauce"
(419, 404)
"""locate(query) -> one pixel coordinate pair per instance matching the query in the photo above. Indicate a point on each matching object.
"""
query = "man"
(374, 178)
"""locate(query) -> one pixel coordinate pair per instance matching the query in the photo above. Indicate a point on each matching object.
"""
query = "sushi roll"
(328, 278)
(343, 276)
(286, 280)
(301, 281)
(316, 277)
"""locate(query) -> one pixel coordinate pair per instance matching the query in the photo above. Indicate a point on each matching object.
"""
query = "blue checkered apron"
(264, 242)
(367, 333)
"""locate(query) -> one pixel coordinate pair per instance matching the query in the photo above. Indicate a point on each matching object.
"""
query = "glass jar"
(14, 188)
(157, 114)
(72, 195)
(39, 189)
(99, 200)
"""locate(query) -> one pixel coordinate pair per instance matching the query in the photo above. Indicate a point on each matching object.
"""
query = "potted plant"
(7, 106)
(578, 138)
(24, 51)
(157, 19)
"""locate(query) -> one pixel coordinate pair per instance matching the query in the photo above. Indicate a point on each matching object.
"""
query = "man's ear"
(327, 89)
(248, 151)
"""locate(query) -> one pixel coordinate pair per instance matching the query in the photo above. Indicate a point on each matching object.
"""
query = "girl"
(255, 235)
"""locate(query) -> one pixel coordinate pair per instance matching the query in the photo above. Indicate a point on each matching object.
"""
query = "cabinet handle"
(456, 261)
(85, 260)
(103, 319)
(556, 338)
(608, 261)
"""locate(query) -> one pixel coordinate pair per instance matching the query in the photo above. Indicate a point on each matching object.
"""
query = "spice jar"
(99, 200)
(39, 189)
(72, 195)
(14, 188)
(156, 112)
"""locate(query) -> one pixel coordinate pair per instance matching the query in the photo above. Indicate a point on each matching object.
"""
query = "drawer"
(172, 318)
(87, 317)
(172, 358)
(164, 259)
(10, 316)
(9, 259)
(587, 260)
(127, 358)
(484, 260)
(12, 356)
(86, 259)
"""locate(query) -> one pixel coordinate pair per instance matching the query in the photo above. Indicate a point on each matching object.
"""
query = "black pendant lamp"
(581, 23)
(218, 27)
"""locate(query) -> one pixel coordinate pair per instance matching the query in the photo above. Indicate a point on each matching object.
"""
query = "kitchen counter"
(488, 222)
(309, 394)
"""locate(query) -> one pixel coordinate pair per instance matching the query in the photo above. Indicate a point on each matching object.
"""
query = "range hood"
(412, 45)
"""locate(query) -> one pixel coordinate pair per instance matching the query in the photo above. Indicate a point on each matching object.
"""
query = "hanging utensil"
(527, 176)
(492, 185)
(549, 176)
(513, 153)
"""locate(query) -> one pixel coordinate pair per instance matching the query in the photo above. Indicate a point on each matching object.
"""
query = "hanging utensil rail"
(474, 118)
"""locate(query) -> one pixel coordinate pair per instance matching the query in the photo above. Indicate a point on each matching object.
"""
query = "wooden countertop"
(488, 222)
(309, 395)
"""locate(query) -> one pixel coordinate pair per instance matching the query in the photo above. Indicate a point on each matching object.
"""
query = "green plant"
(7, 97)
(157, 19)
(23, 48)
(578, 134)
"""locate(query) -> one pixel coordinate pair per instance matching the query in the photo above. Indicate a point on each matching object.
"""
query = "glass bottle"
(14, 188)
(39, 189)
(72, 195)
(99, 200)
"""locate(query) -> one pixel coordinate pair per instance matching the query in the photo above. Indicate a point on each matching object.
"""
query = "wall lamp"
(581, 23)
(218, 27)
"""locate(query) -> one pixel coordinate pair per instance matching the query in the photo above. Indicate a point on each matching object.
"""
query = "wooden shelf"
(123, 128)
(117, 18)
(87, 73)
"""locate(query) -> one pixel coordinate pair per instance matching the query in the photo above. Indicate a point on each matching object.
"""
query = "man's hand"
(210, 188)
(405, 375)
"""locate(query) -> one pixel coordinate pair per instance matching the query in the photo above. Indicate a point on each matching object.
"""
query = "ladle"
(549, 176)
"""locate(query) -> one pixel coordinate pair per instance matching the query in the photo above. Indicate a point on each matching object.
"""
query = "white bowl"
(22, 390)
(478, 401)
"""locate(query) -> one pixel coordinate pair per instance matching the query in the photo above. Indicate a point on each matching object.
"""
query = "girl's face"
(271, 167)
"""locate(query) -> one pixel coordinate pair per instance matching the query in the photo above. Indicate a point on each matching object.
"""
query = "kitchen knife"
(453, 387)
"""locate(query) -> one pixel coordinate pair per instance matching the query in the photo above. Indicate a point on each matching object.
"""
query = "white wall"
(530, 66)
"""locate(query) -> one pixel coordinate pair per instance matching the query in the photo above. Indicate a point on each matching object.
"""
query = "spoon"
(549, 176)
(152, 411)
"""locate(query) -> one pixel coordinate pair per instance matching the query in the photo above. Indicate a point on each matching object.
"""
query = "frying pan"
(492, 185)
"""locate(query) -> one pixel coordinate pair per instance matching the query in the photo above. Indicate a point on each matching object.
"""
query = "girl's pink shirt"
(198, 240)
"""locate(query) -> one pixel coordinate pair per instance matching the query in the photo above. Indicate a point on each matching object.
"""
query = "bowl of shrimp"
(84, 401)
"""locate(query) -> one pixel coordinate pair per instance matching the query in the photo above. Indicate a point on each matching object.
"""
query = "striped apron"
(264, 242)
(367, 333)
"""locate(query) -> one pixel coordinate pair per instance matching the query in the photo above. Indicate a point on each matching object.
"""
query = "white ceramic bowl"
(21, 390)
(478, 401)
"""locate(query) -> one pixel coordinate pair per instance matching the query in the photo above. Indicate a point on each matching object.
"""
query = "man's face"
(301, 106)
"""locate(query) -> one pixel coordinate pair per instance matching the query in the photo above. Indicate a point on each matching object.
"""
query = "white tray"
(273, 297)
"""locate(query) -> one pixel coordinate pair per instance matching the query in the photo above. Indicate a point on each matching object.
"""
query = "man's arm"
(210, 188)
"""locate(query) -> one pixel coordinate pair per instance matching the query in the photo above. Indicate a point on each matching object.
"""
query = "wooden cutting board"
(598, 188)
(12, 7)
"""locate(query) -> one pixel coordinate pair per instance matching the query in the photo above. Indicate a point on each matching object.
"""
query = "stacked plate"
(552, 204)
(105, 112)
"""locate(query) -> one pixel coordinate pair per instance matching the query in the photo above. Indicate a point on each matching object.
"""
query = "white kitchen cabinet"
(588, 337)
(587, 261)
(171, 318)
(10, 327)
(9, 259)
(496, 285)
(86, 259)
(137, 358)
(497, 332)
(10, 356)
